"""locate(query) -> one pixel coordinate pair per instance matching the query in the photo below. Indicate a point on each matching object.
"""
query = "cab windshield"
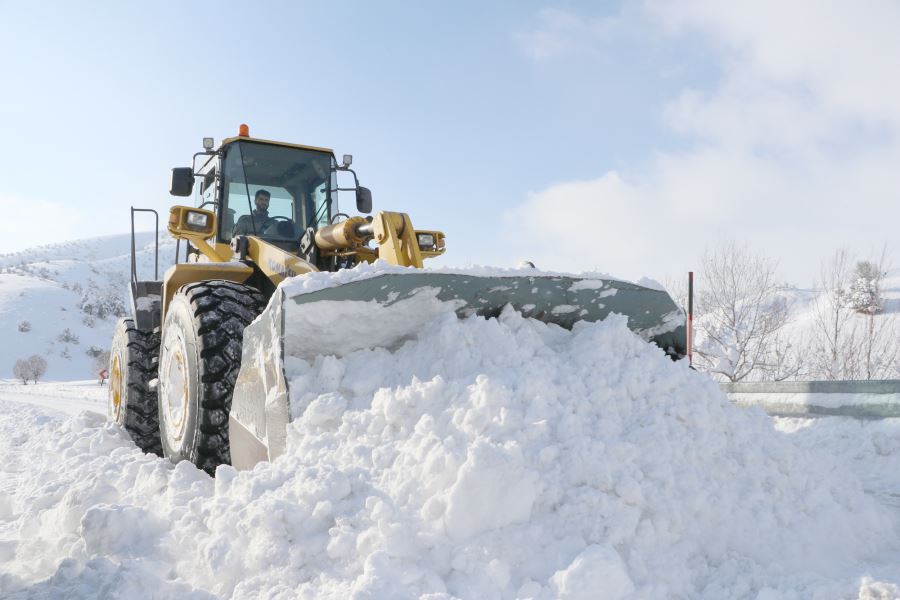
(274, 192)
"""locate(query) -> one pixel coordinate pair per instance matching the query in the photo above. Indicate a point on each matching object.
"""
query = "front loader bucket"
(388, 309)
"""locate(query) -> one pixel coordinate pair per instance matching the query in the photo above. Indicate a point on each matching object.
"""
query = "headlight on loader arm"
(426, 241)
(196, 219)
(188, 222)
(197, 226)
(431, 243)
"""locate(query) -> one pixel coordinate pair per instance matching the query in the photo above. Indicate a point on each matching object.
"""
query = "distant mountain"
(61, 301)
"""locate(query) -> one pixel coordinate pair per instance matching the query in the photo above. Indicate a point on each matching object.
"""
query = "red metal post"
(690, 319)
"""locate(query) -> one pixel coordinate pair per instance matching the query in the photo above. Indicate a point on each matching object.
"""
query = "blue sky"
(619, 137)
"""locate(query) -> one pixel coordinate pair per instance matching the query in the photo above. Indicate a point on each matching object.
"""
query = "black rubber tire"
(132, 401)
(200, 357)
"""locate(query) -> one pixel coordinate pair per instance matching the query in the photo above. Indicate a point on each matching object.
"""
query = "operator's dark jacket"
(244, 225)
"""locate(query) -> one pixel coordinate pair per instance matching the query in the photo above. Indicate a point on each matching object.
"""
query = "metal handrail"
(133, 249)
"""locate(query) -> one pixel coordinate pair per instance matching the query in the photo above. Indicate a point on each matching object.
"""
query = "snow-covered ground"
(487, 459)
(70, 397)
(870, 447)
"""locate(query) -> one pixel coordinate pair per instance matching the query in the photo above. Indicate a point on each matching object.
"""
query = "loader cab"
(299, 181)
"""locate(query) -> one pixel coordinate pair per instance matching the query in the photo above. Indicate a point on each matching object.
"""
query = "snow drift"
(499, 458)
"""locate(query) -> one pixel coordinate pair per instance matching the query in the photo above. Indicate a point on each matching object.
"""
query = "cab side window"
(208, 188)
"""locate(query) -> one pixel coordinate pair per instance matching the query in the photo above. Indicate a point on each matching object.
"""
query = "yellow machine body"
(247, 403)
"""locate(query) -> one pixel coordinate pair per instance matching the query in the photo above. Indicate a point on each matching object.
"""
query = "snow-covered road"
(71, 398)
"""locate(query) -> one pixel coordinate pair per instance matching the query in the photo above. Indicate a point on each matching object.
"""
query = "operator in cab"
(259, 217)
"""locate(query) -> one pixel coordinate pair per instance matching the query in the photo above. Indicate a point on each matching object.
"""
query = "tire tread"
(141, 419)
(221, 311)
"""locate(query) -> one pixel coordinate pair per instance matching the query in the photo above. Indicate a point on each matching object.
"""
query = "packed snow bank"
(486, 459)
(870, 447)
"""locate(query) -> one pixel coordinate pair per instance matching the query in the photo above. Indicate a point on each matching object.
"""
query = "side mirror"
(364, 200)
(182, 181)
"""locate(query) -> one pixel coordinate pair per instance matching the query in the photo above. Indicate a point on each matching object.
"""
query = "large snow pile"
(486, 459)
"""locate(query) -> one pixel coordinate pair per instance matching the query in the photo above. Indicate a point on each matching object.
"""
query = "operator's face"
(262, 203)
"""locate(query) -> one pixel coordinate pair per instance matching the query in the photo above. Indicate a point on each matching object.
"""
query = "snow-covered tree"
(864, 292)
(94, 351)
(32, 368)
(22, 370)
(845, 344)
(101, 303)
(38, 366)
(740, 312)
(67, 336)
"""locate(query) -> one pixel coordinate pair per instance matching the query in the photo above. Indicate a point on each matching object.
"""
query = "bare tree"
(32, 368)
(22, 371)
(880, 350)
(38, 366)
(785, 359)
(833, 350)
(740, 314)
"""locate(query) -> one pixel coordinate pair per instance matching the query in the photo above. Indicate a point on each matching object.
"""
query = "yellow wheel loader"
(197, 371)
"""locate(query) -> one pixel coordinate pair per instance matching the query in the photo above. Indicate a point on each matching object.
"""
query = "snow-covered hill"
(803, 303)
(81, 286)
(61, 301)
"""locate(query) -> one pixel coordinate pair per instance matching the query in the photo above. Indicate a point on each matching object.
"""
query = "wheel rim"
(174, 392)
(115, 388)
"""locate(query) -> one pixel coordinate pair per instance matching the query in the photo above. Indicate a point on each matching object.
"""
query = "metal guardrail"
(874, 399)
